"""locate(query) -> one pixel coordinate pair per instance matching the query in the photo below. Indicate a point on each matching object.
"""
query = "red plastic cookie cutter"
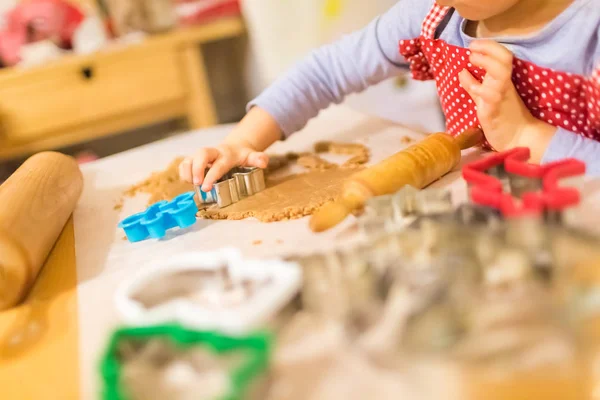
(507, 182)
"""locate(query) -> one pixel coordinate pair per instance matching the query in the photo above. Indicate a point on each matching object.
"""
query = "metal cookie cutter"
(392, 212)
(559, 184)
(236, 185)
(506, 182)
(466, 215)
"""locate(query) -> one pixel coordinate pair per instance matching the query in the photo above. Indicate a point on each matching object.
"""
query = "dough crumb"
(279, 241)
(353, 149)
(356, 161)
(162, 185)
(257, 242)
(406, 140)
(313, 162)
(118, 206)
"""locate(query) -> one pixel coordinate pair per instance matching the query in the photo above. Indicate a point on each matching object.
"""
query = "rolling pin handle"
(328, 216)
(469, 138)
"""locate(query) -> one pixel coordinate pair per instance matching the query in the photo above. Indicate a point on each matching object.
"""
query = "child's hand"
(243, 147)
(505, 119)
(220, 159)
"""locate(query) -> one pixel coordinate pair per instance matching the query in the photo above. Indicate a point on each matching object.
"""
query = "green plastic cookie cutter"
(257, 345)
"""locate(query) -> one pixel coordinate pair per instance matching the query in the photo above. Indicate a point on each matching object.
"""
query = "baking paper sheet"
(104, 259)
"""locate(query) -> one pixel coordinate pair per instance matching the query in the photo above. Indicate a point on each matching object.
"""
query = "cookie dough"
(162, 185)
(286, 198)
(352, 149)
(313, 162)
(293, 197)
(358, 152)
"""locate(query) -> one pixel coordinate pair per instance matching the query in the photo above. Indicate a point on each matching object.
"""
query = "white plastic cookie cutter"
(210, 291)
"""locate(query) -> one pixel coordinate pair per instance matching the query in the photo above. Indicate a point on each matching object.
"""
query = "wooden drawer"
(81, 90)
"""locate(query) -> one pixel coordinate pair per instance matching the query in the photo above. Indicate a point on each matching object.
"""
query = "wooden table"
(125, 86)
(49, 347)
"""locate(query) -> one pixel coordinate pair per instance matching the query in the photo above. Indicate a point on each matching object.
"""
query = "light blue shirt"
(570, 43)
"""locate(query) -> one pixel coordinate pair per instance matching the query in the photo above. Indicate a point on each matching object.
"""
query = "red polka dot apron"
(559, 98)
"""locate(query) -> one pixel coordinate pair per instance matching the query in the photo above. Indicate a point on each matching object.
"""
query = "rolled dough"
(293, 197)
(285, 198)
(299, 195)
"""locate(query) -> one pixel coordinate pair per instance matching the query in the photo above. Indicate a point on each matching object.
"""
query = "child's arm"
(347, 66)
(326, 76)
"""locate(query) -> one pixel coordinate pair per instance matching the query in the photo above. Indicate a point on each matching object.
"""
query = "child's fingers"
(495, 59)
(493, 49)
(199, 163)
(470, 84)
(499, 73)
(185, 170)
(488, 95)
(257, 159)
(220, 167)
(479, 92)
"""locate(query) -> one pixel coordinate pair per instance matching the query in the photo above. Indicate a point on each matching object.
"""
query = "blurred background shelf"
(126, 95)
(79, 98)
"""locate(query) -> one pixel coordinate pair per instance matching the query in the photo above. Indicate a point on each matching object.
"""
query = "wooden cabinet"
(51, 100)
(83, 97)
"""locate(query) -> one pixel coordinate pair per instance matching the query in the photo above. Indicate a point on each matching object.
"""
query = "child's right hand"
(220, 160)
(243, 147)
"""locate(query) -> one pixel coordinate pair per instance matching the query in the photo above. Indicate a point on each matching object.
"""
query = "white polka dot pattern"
(434, 59)
(559, 98)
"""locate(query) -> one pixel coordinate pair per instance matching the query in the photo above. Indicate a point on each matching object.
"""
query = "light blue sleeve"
(566, 144)
(347, 66)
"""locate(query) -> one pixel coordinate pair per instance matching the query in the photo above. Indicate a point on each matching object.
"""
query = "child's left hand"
(503, 116)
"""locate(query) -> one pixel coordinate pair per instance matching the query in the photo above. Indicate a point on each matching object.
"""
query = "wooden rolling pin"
(418, 166)
(35, 204)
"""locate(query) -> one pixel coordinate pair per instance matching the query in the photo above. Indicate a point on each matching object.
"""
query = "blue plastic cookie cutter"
(160, 217)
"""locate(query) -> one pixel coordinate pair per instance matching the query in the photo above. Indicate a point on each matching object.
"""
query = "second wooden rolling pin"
(35, 204)
(418, 166)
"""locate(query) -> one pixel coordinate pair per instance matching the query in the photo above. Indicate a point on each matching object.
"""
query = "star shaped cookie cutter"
(507, 182)
(234, 186)
(160, 217)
